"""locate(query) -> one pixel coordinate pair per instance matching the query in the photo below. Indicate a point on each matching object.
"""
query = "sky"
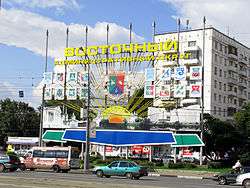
(23, 25)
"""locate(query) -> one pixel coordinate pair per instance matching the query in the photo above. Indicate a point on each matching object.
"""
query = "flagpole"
(44, 86)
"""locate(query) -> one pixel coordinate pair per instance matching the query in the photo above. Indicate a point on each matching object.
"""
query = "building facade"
(226, 76)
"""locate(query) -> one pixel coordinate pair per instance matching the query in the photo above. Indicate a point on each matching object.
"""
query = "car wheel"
(99, 173)
(129, 175)
(222, 181)
(107, 176)
(56, 168)
(2, 167)
(22, 167)
(137, 177)
(32, 169)
(246, 183)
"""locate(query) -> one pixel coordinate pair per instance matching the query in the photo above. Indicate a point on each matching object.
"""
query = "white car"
(243, 179)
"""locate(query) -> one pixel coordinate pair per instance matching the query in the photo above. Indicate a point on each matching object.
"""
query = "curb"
(177, 176)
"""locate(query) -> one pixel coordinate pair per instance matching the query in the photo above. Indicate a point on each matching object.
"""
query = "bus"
(58, 159)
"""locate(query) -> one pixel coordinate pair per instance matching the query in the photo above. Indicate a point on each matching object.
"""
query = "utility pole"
(202, 89)
(86, 154)
(44, 86)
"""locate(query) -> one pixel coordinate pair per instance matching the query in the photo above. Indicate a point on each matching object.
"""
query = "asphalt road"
(35, 179)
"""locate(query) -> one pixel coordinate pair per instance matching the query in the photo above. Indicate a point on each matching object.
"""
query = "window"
(215, 96)
(225, 49)
(51, 116)
(114, 164)
(225, 87)
(235, 101)
(219, 111)
(38, 153)
(123, 164)
(235, 90)
(225, 74)
(220, 73)
(220, 85)
(215, 83)
(216, 45)
(225, 62)
(224, 99)
(224, 112)
(215, 57)
(215, 70)
(221, 47)
(49, 154)
(62, 154)
(191, 43)
(214, 109)
(219, 98)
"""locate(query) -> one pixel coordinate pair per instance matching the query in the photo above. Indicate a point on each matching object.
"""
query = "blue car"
(128, 169)
(9, 162)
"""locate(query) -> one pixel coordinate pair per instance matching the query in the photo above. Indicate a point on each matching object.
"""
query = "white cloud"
(7, 90)
(27, 30)
(43, 4)
(220, 14)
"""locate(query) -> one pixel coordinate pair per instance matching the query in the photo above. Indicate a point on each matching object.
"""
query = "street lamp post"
(44, 86)
(86, 154)
(202, 89)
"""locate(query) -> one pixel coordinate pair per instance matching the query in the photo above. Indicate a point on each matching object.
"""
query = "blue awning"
(122, 137)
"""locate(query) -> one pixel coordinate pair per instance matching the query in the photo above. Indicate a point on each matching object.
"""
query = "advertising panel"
(150, 74)
(48, 93)
(71, 93)
(180, 91)
(149, 91)
(166, 74)
(195, 90)
(180, 73)
(59, 93)
(165, 91)
(196, 73)
(47, 78)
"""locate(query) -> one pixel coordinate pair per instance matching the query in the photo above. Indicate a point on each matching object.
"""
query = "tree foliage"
(221, 137)
(17, 119)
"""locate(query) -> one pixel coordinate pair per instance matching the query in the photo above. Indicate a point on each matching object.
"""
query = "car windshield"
(133, 164)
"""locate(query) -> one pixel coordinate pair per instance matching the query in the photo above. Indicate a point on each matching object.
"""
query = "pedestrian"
(237, 166)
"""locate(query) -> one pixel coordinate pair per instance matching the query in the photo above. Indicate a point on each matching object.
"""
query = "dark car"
(9, 162)
(231, 176)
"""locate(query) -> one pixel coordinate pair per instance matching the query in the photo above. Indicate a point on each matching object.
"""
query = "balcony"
(243, 72)
(242, 96)
(232, 68)
(192, 48)
(243, 84)
(232, 80)
(233, 56)
(190, 61)
(231, 94)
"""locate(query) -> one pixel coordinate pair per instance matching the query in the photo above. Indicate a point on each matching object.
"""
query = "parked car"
(167, 159)
(189, 160)
(121, 168)
(230, 177)
(9, 162)
(243, 179)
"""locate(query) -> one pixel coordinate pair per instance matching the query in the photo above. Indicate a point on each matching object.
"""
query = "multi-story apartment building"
(226, 76)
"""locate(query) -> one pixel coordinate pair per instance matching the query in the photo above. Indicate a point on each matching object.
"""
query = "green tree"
(242, 119)
(221, 136)
(17, 119)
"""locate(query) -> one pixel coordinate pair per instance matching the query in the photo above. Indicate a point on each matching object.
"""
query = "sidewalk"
(190, 174)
